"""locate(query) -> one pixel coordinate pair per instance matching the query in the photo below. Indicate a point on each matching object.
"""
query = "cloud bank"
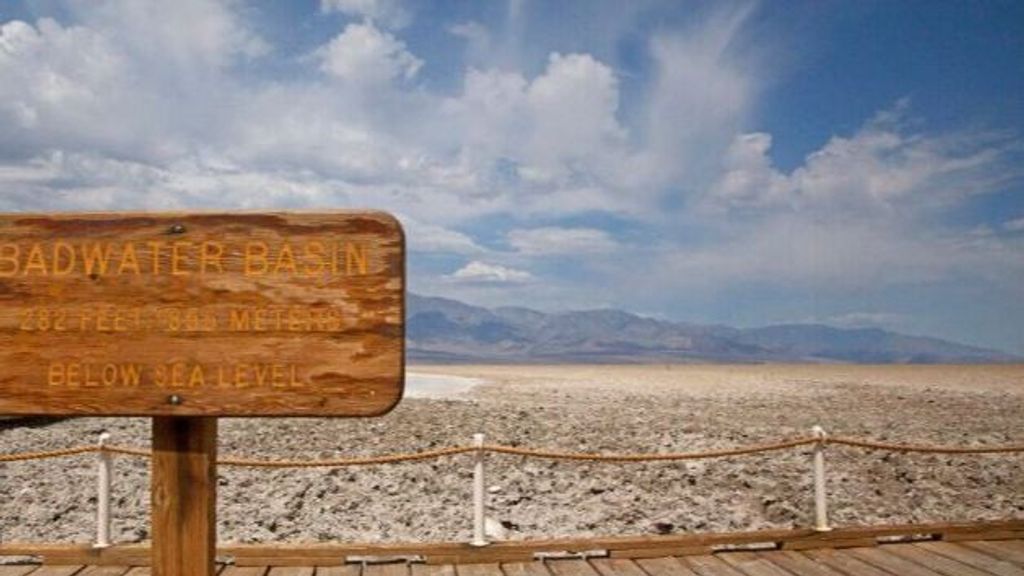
(583, 179)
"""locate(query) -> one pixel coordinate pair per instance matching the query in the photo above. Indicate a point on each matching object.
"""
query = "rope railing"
(819, 440)
(238, 461)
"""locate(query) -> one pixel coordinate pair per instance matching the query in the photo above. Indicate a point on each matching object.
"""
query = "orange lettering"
(155, 248)
(256, 253)
(35, 261)
(314, 256)
(178, 259)
(65, 249)
(285, 260)
(355, 259)
(129, 260)
(55, 376)
(9, 254)
(96, 258)
(210, 256)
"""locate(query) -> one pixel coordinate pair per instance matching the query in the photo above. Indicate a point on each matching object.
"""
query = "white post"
(104, 465)
(479, 534)
(820, 502)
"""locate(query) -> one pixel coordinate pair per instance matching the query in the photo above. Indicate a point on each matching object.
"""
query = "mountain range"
(448, 331)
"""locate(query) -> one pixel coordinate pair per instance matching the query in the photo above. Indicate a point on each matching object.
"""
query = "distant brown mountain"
(449, 331)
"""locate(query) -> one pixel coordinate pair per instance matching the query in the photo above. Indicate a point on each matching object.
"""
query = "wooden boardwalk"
(967, 558)
(959, 549)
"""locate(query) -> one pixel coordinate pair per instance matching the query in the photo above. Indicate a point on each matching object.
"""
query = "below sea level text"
(173, 375)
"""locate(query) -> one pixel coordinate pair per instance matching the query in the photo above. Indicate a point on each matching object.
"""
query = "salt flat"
(576, 408)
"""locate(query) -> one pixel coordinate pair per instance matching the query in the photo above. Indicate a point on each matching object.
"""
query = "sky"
(857, 164)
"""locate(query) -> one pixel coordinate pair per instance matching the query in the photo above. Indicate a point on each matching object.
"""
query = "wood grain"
(184, 493)
(270, 314)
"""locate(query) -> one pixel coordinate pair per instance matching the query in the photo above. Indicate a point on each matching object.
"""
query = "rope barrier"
(357, 461)
(650, 457)
(74, 451)
(924, 449)
(537, 453)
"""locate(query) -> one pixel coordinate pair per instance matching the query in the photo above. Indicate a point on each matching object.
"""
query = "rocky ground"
(625, 409)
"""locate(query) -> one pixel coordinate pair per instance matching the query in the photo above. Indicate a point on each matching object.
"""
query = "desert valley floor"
(573, 408)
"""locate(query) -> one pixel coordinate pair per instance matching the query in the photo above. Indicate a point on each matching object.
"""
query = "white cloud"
(880, 167)
(749, 179)
(702, 96)
(1016, 225)
(430, 238)
(156, 107)
(573, 106)
(365, 55)
(389, 13)
(477, 272)
(556, 241)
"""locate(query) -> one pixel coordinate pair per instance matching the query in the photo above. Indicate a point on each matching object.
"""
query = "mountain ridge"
(443, 330)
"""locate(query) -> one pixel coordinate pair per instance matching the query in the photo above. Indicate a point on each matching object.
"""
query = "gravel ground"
(648, 409)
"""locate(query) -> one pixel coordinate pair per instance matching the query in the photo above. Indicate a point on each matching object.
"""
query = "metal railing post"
(479, 533)
(104, 469)
(820, 494)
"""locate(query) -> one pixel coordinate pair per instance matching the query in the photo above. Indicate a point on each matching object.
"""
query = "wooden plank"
(710, 566)
(1010, 551)
(286, 561)
(430, 570)
(664, 567)
(993, 534)
(532, 568)
(810, 544)
(881, 558)
(972, 557)
(611, 567)
(472, 555)
(184, 491)
(393, 569)
(845, 562)
(291, 571)
(344, 570)
(141, 571)
(523, 550)
(66, 570)
(660, 552)
(105, 571)
(478, 570)
(17, 570)
(751, 564)
(268, 314)
(797, 563)
(573, 567)
(243, 571)
(934, 562)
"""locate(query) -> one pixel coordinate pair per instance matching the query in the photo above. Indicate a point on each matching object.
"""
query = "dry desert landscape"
(574, 408)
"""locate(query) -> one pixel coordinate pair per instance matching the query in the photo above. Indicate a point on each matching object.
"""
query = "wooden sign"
(280, 314)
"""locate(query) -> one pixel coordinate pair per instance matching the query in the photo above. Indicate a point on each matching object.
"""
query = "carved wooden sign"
(271, 314)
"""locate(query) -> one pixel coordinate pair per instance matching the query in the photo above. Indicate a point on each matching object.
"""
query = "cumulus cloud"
(477, 272)
(882, 166)
(363, 54)
(122, 106)
(561, 241)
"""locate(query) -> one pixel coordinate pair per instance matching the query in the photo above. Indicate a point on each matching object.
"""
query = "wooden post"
(184, 495)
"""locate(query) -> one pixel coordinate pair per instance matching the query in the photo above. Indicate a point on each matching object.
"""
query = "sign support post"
(184, 495)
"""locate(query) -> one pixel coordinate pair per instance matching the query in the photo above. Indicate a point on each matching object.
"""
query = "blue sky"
(850, 163)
